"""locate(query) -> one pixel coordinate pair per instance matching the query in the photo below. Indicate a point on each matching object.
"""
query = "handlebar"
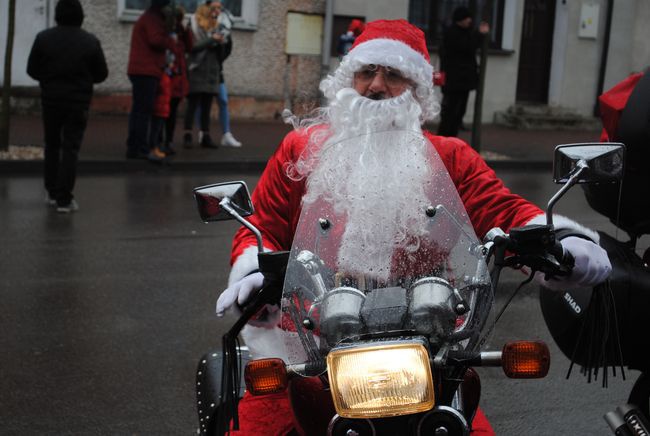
(533, 246)
(273, 266)
(565, 258)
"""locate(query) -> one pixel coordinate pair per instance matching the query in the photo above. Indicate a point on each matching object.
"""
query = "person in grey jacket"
(67, 61)
(204, 68)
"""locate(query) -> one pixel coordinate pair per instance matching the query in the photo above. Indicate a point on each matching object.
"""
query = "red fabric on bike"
(264, 415)
(612, 103)
(270, 415)
(481, 426)
(277, 198)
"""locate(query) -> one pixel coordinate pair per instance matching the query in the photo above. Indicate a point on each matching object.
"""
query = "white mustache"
(373, 154)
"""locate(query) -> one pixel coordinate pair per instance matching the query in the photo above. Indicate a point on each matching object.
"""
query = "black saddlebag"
(607, 325)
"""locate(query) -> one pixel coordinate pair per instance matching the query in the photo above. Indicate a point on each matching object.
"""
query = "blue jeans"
(224, 116)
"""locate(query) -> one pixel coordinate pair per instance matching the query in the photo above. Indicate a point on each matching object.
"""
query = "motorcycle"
(382, 338)
(604, 327)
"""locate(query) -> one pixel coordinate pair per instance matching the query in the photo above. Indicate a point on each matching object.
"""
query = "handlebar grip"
(255, 302)
(270, 293)
(273, 265)
(565, 258)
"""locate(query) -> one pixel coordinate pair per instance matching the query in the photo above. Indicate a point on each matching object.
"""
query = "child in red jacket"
(161, 107)
(180, 83)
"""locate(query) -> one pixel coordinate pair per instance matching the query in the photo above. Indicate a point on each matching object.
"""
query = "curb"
(240, 165)
(127, 167)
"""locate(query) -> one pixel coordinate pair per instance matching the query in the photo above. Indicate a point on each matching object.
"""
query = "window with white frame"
(432, 16)
(244, 13)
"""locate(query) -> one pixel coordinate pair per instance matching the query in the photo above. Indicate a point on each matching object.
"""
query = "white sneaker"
(227, 140)
(49, 200)
(73, 206)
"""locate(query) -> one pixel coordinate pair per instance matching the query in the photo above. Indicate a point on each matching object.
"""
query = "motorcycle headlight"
(382, 379)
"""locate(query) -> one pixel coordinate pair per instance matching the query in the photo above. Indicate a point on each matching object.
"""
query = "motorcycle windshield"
(386, 250)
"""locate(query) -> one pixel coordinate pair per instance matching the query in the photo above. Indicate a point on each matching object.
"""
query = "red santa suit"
(277, 198)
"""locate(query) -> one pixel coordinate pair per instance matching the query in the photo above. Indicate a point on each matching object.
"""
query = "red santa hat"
(402, 36)
(356, 26)
(393, 43)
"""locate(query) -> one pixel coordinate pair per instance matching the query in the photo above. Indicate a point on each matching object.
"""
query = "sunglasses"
(392, 76)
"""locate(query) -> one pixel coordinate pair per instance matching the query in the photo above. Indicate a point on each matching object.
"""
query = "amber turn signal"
(525, 359)
(265, 376)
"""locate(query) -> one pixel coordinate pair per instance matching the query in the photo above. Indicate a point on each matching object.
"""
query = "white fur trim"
(244, 264)
(265, 343)
(562, 222)
(393, 53)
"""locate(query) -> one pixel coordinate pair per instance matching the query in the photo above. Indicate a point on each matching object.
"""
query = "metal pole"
(5, 113)
(478, 101)
(603, 57)
(327, 37)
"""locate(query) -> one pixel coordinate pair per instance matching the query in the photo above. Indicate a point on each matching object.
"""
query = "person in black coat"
(67, 61)
(458, 60)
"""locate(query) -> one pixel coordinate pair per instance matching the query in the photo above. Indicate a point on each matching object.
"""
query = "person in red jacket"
(162, 106)
(384, 84)
(149, 40)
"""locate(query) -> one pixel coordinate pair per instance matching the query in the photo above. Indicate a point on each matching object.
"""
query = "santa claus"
(385, 85)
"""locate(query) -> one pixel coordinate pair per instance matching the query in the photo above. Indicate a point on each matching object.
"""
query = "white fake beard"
(373, 169)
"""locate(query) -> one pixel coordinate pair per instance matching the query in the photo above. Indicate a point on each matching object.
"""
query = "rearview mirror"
(598, 161)
(209, 198)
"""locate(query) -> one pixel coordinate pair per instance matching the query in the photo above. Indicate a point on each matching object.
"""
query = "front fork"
(457, 402)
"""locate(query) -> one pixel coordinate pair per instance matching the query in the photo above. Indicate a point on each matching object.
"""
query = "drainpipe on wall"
(603, 57)
(48, 14)
(478, 98)
(286, 81)
(327, 38)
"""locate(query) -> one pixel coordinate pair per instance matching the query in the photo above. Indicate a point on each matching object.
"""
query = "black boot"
(207, 142)
(169, 149)
(187, 140)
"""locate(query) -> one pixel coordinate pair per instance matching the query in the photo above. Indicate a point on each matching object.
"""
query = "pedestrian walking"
(225, 48)
(203, 71)
(458, 61)
(149, 41)
(66, 60)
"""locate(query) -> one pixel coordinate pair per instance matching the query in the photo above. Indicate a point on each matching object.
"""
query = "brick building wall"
(258, 76)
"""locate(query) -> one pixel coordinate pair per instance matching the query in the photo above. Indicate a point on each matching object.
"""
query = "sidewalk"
(104, 146)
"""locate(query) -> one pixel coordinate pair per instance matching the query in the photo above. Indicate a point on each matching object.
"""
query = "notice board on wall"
(304, 34)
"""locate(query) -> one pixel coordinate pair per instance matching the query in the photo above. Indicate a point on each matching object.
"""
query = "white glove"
(239, 292)
(592, 265)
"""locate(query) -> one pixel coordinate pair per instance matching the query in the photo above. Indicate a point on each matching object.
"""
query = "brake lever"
(535, 246)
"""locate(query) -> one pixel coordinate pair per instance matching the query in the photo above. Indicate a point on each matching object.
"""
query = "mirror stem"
(581, 166)
(225, 205)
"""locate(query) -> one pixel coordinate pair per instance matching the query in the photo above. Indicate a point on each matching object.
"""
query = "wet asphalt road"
(104, 313)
